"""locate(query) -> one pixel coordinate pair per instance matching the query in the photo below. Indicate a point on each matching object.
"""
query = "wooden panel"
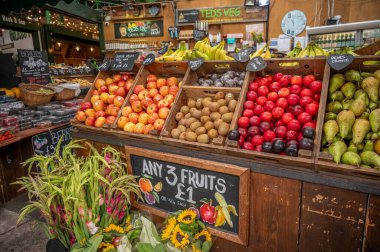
(332, 219)
(372, 242)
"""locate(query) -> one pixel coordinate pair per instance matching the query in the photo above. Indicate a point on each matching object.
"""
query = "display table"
(290, 208)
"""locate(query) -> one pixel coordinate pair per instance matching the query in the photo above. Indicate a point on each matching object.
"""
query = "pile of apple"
(106, 100)
(149, 106)
(279, 114)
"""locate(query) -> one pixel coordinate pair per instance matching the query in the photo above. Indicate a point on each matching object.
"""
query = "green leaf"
(95, 242)
(206, 246)
(144, 247)
(149, 233)
(125, 245)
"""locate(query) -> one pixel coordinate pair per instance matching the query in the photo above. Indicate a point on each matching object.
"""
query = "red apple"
(99, 82)
(172, 81)
(116, 78)
(243, 122)
(253, 86)
(163, 104)
(146, 102)
(143, 94)
(110, 120)
(112, 89)
(122, 121)
(248, 113)
(90, 121)
(80, 116)
(120, 92)
(133, 117)
(151, 85)
(157, 98)
(121, 83)
(296, 80)
(85, 105)
(308, 79)
(100, 113)
(251, 96)
(118, 101)
(159, 124)
(170, 98)
(160, 83)
(109, 81)
(153, 117)
(138, 89)
(152, 108)
(137, 106)
(164, 90)
(151, 77)
(163, 112)
(173, 89)
(90, 112)
(98, 105)
(110, 99)
(126, 111)
(133, 98)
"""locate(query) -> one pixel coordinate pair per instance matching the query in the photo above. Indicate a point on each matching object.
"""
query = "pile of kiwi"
(206, 118)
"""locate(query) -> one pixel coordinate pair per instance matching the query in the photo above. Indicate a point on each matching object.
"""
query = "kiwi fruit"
(191, 111)
(187, 116)
(182, 136)
(212, 133)
(182, 121)
(214, 106)
(203, 138)
(185, 109)
(222, 102)
(190, 121)
(191, 137)
(191, 103)
(195, 125)
(200, 130)
(179, 116)
(209, 125)
(223, 110)
(196, 114)
(205, 119)
(219, 95)
(217, 123)
(232, 105)
(206, 111)
(206, 101)
(227, 117)
(175, 133)
(198, 103)
(181, 128)
(229, 97)
(215, 116)
(223, 129)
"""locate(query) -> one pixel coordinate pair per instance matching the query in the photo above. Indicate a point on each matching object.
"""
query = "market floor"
(27, 236)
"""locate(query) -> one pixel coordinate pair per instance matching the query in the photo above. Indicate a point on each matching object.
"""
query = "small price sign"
(124, 62)
(256, 64)
(105, 66)
(149, 59)
(163, 49)
(243, 55)
(199, 34)
(46, 143)
(196, 63)
(340, 61)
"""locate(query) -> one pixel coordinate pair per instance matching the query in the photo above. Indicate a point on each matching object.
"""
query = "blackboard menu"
(339, 61)
(124, 61)
(105, 66)
(72, 71)
(170, 187)
(187, 16)
(256, 64)
(34, 66)
(199, 34)
(196, 63)
(150, 28)
(46, 143)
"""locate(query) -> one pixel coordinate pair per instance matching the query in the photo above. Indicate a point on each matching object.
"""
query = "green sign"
(139, 29)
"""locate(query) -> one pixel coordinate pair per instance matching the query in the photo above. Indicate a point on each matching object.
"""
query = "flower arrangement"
(184, 231)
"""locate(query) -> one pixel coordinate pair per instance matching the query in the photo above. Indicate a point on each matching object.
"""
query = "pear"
(351, 158)
(371, 87)
(352, 75)
(334, 107)
(337, 149)
(359, 92)
(358, 106)
(359, 130)
(352, 148)
(345, 120)
(377, 74)
(348, 89)
(374, 120)
(368, 145)
(336, 81)
(330, 128)
(346, 104)
(337, 96)
(370, 158)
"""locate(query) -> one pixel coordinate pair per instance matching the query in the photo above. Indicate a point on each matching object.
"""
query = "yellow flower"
(113, 227)
(187, 217)
(83, 241)
(169, 228)
(205, 234)
(109, 247)
(104, 245)
(195, 249)
(179, 238)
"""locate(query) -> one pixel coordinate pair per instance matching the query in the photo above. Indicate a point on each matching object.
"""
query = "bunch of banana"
(312, 50)
(223, 211)
(297, 49)
(263, 52)
(218, 52)
(203, 46)
(346, 50)
(174, 56)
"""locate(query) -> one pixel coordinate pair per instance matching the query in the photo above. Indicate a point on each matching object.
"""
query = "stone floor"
(27, 236)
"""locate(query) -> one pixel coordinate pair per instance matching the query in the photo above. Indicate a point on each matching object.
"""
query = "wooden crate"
(218, 67)
(217, 144)
(161, 70)
(102, 75)
(316, 66)
(324, 161)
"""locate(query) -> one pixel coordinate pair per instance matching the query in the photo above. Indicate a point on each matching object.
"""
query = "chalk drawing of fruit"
(158, 187)
(145, 185)
(223, 211)
(150, 192)
(149, 198)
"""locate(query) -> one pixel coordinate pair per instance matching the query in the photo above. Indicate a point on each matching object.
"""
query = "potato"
(199, 103)
(205, 119)
(215, 116)
(175, 133)
(196, 114)
(217, 123)
(185, 109)
(219, 95)
(203, 138)
(181, 128)
(206, 101)
(206, 111)
(191, 103)
(212, 133)
(209, 125)
(223, 110)
(232, 105)
(182, 136)
(222, 102)
(190, 121)
(229, 97)
(179, 116)
(200, 130)
(223, 129)
(227, 117)
(195, 125)
(187, 116)
(191, 111)
(182, 121)
(191, 137)
(214, 106)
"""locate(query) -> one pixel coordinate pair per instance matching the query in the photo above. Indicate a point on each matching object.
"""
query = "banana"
(201, 55)
(267, 52)
(226, 209)
(311, 51)
(196, 46)
(304, 53)
(257, 53)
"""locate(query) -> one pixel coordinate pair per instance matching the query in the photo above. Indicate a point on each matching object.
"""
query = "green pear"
(374, 120)
(371, 87)
(337, 149)
(345, 120)
(348, 89)
(330, 128)
(360, 128)
(358, 106)
(351, 158)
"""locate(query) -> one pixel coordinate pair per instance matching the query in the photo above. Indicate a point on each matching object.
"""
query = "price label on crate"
(256, 64)
(163, 49)
(105, 66)
(55, 72)
(196, 63)
(124, 61)
(339, 61)
(243, 55)
(149, 59)
(199, 34)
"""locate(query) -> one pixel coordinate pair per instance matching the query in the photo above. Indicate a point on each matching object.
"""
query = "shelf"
(73, 76)
(118, 18)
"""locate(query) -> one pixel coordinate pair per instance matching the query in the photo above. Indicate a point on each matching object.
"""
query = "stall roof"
(76, 9)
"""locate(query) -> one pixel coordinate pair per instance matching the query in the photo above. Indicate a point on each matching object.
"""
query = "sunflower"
(113, 227)
(128, 226)
(187, 216)
(179, 238)
(204, 235)
(195, 249)
(169, 228)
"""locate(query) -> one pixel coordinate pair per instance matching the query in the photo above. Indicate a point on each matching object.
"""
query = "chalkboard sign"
(46, 143)
(340, 61)
(105, 66)
(187, 16)
(163, 49)
(149, 59)
(199, 34)
(34, 66)
(174, 31)
(135, 29)
(124, 61)
(170, 183)
(243, 55)
(196, 63)
(256, 64)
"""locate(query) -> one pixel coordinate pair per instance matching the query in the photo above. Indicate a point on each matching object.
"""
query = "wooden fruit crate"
(324, 161)
(316, 66)
(219, 67)
(101, 75)
(160, 69)
(217, 144)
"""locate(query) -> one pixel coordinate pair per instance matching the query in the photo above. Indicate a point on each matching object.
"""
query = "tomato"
(243, 122)
(304, 117)
(308, 79)
(282, 102)
(261, 100)
(293, 99)
(283, 92)
(277, 112)
(316, 86)
(263, 91)
(266, 116)
(312, 108)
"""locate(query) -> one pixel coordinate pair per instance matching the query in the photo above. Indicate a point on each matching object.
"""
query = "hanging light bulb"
(91, 49)
(59, 44)
(77, 48)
